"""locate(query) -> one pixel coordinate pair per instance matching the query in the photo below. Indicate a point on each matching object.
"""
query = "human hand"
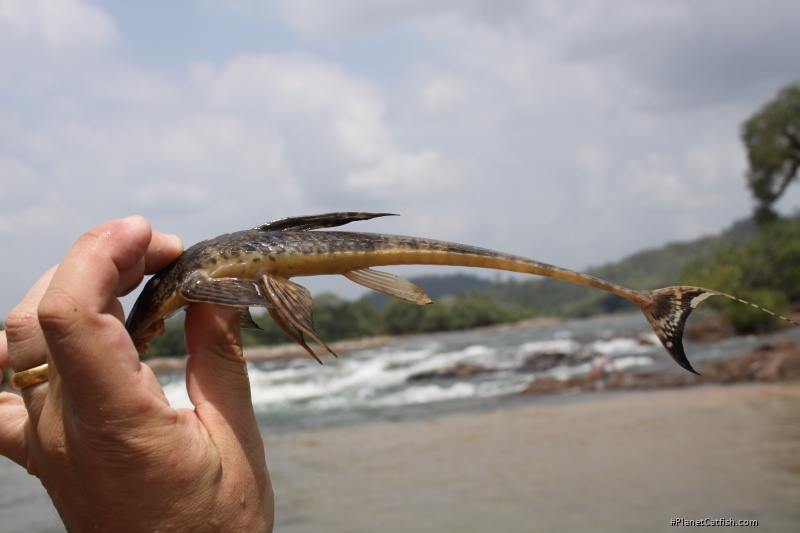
(100, 434)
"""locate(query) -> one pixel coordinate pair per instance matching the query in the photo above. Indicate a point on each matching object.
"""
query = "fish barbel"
(252, 268)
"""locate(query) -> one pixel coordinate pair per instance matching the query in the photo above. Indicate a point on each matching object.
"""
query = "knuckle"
(229, 347)
(100, 233)
(58, 312)
(25, 343)
(21, 324)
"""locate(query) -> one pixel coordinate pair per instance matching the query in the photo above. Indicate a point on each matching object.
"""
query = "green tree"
(772, 140)
(169, 344)
(336, 318)
(763, 271)
(476, 309)
(467, 309)
(399, 318)
(729, 273)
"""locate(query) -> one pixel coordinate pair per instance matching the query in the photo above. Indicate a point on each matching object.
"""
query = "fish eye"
(153, 283)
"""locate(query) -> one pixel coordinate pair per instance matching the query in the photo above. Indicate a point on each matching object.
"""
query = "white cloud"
(593, 160)
(61, 28)
(325, 20)
(687, 54)
(318, 19)
(177, 196)
(442, 93)
(125, 85)
(303, 95)
(19, 183)
(401, 175)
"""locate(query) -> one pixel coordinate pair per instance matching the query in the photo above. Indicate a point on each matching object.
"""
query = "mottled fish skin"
(252, 268)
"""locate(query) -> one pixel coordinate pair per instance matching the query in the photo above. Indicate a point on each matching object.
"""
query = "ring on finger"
(30, 377)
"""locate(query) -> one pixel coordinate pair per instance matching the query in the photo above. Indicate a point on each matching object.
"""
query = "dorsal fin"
(326, 220)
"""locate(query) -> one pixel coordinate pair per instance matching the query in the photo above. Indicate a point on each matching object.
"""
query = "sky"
(574, 133)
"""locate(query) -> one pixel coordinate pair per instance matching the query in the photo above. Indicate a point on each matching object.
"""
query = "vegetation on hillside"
(437, 286)
(649, 269)
(764, 271)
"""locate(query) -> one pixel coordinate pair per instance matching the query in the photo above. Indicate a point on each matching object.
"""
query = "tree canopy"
(772, 139)
(762, 271)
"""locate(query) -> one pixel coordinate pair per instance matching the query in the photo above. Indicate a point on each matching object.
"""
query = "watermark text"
(711, 522)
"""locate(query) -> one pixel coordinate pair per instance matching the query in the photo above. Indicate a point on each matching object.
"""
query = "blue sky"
(571, 132)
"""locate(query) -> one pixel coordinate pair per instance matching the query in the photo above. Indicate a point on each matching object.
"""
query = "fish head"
(159, 300)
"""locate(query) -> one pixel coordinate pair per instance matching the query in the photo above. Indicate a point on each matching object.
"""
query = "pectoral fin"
(292, 332)
(389, 284)
(200, 287)
(296, 305)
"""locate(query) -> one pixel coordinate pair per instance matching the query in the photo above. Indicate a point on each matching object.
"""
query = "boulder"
(712, 328)
(540, 362)
(548, 384)
(772, 361)
(459, 370)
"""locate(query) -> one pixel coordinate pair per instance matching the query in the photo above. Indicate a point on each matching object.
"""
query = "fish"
(252, 268)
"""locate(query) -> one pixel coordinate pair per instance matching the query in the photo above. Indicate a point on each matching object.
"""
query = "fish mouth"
(146, 319)
(142, 337)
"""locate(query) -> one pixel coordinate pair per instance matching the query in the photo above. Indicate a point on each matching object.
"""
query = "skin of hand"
(100, 434)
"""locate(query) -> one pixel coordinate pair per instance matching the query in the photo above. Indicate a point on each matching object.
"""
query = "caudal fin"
(667, 310)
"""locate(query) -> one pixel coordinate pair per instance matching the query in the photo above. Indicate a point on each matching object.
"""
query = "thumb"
(216, 373)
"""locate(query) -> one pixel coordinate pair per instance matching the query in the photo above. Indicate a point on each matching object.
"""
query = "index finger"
(81, 317)
(162, 250)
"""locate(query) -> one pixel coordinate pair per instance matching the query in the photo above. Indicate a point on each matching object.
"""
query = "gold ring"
(32, 376)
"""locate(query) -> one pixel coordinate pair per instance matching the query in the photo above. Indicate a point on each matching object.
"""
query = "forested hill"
(649, 269)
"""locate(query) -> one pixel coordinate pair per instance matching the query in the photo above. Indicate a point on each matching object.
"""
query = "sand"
(621, 462)
(627, 461)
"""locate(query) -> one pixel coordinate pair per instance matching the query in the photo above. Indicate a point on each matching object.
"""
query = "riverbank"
(613, 462)
(620, 461)
(770, 361)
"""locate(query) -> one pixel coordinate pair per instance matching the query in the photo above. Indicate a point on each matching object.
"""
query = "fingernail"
(177, 240)
(137, 219)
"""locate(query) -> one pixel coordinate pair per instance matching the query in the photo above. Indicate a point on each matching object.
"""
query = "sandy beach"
(622, 461)
(615, 462)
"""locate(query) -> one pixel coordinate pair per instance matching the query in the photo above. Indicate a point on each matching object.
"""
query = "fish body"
(252, 268)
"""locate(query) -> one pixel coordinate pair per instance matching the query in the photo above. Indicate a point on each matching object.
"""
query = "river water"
(378, 384)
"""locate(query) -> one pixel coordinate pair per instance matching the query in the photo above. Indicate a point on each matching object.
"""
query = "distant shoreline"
(770, 361)
(290, 350)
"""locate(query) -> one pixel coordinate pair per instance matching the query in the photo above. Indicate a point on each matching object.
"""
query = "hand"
(100, 434)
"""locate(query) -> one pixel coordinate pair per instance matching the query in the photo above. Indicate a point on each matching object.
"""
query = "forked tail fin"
(667, 310)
